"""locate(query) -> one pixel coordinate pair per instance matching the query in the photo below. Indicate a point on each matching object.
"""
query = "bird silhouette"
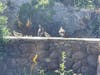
(17, 33)
(61, 32)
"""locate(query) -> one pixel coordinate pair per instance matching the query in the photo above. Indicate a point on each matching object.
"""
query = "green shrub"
(3, 21)
(38, 12)
(61, 70)
(84, 3)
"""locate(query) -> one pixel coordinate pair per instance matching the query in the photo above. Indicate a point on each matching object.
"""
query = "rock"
(69, 63)
(93, 48)
(76, 66)
(69, 53)
(3, 68)
(91, 71)
(92, 60)
(75, 47)
(78, 55)
(22, 61)
(84, 70)
(84, 62)
(52, 65)
(54, 55)
(10, 72)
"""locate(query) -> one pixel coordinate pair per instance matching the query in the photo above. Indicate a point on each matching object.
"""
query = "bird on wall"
(28, 23)
(62, 32)
(46, 34)
(17, 33)
(19, 22)
(40, 31)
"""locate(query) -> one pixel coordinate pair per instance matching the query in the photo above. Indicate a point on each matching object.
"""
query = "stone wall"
(16, 56)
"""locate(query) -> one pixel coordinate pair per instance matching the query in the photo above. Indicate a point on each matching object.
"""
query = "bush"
(3, 21)
(37, 12)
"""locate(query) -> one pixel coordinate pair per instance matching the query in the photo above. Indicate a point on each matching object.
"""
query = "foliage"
(97, 3)
(37, 12)
(84, 3)
(62, 70)
(42, 72)
(42, 3)
(96, 25)
(80, 3)
(3, 21)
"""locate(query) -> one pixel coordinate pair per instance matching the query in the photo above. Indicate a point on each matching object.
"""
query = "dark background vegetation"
(44, 12)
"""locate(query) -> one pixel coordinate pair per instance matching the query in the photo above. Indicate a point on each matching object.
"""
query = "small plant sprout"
(41, 72)
(34, 59)
(61, 70)
(77, 74)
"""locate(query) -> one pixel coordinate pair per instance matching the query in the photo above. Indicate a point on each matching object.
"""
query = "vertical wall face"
(98, 68)
(17, 57)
